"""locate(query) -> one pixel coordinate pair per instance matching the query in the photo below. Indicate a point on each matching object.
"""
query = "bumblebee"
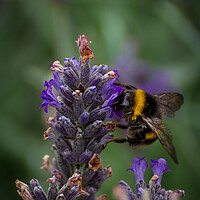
(144, 114)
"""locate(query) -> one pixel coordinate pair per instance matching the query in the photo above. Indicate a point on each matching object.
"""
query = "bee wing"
(170, 102)
(163, 134)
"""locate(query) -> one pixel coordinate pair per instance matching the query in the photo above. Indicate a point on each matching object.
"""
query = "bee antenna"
(119, 82)
(109, 105)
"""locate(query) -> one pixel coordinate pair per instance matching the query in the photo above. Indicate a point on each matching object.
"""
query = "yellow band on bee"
(150, 135)
(139, 103)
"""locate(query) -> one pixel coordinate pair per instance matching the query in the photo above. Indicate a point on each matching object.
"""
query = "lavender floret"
(139, 166)
(159, 167)
(49, 98)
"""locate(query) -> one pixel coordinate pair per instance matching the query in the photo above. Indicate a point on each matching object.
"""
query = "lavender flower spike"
(159, 167)
(77, 129)
(139, 165)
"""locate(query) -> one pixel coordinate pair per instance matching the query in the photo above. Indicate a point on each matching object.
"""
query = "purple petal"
(139, 165)
(47, 84)
(46, 108)
(115, 94)
(111, 113)
(49, 98)
(56, 82)
(159, 167)
(111, 99)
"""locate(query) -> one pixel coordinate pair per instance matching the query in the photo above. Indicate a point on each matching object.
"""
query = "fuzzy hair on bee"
(144, 114)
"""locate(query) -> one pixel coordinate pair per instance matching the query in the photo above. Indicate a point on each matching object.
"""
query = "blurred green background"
(35, 33)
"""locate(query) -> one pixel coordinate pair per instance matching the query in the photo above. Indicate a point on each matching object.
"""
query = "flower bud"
(97, 115)
(69, 156)
(67, 92)
(99, 100)
(79, 144)
(72, 193)
(95, 147)
(68, 126)
(101, 132)
(92, 191)
(105, 139)
(89, 94)
(53, 190)
(102, 69)
(70, 64)
(84, 117)
(59, 127)
(39, 193)
(94, 68)
(91, 129)
(94, 80)
(85, 156)
(34, 183)
(64, 109)
(84, 72)
(70, 78)
(78, 104)
(87, 175)
(97, 176)
(63, 166)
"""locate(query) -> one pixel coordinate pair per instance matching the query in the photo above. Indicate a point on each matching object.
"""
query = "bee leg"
(117, 140)
(112, 125)
(122, 126)
(120, 140)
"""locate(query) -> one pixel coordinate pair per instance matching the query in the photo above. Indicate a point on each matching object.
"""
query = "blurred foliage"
(35, 33)
(190, 9)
